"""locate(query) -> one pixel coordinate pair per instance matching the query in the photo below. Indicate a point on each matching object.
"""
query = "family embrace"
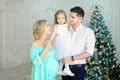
(66, 50)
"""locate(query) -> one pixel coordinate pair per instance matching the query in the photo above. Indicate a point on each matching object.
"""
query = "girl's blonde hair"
(38, 28)
(57, 13)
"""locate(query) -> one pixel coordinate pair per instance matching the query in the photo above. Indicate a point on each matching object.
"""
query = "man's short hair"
(80, 12)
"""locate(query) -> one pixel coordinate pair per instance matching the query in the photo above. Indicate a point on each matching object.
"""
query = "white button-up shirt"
(83, 40)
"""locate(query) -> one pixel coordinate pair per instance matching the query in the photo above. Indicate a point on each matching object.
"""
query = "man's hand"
(67, 59)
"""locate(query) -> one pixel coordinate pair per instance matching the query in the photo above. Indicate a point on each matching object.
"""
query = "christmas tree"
(103, 65)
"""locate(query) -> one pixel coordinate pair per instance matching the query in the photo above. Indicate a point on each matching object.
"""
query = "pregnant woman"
(42, 54)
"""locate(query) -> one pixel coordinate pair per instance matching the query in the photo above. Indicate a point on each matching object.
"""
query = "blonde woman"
(42, 54)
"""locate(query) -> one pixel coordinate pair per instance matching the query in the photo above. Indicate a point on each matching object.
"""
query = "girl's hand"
(69, 25)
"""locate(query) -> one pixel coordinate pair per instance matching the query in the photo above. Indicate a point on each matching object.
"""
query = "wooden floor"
(17, 73)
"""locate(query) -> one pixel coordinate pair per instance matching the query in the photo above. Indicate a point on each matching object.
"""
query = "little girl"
(62, 40)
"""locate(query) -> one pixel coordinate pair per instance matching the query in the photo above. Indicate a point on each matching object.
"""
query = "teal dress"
(45, 69)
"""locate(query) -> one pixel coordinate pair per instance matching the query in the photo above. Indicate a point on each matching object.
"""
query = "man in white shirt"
(82, 45)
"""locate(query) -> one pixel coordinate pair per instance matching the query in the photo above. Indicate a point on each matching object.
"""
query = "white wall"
(2, 35)
(1, 38)
(17, 18)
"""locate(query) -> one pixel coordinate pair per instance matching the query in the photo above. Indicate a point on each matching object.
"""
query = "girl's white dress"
(62, 41)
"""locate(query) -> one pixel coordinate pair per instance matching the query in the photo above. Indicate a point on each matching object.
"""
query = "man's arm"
(89, 49)
(77, 57)
(81, 56)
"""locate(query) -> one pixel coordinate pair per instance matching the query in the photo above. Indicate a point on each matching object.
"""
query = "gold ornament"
(100, 73)
(93, 62)
(95, 20)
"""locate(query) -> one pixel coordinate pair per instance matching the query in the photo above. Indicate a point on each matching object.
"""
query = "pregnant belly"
(53, 67)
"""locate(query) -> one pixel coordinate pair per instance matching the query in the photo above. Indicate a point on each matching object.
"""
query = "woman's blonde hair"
(38, 28)
(57, 13)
